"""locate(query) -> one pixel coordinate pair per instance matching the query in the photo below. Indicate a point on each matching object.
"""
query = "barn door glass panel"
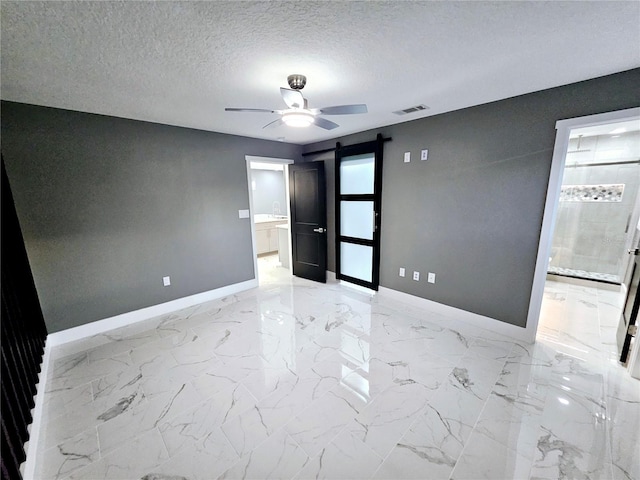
(357, 261)
(356, 219)
(357, 173)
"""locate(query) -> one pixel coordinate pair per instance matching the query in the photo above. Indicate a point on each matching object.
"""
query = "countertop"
(265, 217)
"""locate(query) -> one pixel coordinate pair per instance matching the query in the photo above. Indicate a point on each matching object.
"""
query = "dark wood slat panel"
(13, 427)
(14, 391)
(10, 463)
(17, 366)
(23, 338)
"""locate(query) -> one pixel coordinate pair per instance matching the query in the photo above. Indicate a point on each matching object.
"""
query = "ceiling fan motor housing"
(297, 81)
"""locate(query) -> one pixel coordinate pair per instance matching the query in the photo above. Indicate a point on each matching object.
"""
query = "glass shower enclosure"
(598, 212)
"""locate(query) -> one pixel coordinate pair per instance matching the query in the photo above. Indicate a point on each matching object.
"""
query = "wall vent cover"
(417, 108)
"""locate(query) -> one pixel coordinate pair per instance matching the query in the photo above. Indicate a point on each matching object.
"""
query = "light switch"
(401, 273)
(166, 281)
(424, 154)
(431, 278)
(407, 157)
(243, 213)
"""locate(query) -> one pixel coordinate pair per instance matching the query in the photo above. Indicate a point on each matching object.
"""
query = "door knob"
(634, 251)
(320, 230)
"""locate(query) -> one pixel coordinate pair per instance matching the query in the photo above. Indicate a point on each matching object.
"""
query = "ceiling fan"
(299, 114)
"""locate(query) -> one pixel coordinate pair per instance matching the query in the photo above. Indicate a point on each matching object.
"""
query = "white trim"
(254, 158)
(31, 447)
(101, 326)
(288, 193)
(283, 161)
(254, 243)
(599, 119)
(488, 323)
(331, 277)
(546, 232)
(563, 128)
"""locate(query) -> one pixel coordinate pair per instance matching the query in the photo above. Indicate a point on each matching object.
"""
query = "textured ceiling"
(182, 63)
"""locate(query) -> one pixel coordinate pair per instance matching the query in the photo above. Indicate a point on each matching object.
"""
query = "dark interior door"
(630, 312)
(308, 220)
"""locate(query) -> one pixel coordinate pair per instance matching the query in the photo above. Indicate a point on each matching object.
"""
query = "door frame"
(281, 161)
(563, 130)
(376, 147)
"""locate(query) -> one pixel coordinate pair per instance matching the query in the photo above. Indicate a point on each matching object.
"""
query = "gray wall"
(108, 206)
(270, 188)
(472, 213)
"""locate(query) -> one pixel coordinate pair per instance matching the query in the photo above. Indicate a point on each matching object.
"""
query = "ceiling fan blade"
(293, 98)
(343, 109)
(253, 110)
(275, 123)
(324, 123)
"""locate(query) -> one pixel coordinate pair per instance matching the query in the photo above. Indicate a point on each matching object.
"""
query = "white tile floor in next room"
(301, 380)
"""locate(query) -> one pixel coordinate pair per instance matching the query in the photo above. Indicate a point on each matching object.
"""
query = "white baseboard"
(101, 326)
(331, 276)
(488, 323)
(31, 447)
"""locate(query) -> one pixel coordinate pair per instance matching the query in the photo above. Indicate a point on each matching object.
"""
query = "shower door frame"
(632, 220)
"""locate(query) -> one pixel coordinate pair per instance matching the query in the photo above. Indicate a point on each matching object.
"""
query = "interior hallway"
(302, 380)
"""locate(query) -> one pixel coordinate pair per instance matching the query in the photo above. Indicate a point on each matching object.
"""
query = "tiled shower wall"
(590, 235)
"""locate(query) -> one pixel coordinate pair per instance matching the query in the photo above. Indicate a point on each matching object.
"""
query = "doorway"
(560, 156)
(269, 213)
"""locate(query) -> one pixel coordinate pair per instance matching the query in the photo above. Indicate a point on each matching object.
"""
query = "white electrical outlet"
(416, 276)
(243, 213)
(407, 157)
(166, 281)
(424, 154)
(431, 278)
(401, 272)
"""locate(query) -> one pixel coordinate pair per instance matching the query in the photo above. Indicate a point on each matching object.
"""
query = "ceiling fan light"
(297, 119)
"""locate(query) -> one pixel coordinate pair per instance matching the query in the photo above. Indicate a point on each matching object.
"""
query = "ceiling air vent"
(417, 108)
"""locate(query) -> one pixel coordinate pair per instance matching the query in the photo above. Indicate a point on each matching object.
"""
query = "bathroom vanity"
(283, 244)
(267, 233)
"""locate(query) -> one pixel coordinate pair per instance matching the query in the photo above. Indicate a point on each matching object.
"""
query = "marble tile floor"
(297, 380)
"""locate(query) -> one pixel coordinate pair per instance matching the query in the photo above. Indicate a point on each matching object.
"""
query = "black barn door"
(308, 220)
(358, 207)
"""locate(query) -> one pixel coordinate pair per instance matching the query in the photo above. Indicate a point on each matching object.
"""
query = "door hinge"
(632, 330)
